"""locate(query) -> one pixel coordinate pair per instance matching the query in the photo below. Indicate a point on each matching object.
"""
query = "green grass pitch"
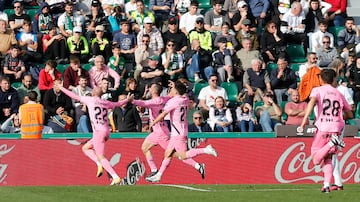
(178, 193)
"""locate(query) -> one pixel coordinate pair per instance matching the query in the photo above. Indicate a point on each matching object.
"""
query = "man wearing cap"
(245, 32)
(127, 42)
(100, 45)
(222, 61)
(200, 33)
(215, 17)
(241, 14)
(68, 20)
(139, 16)
(151, 73)
(162, 11)
(156, 40)
(187, 21)
(78, 45)
(175, 34)
(96, 17)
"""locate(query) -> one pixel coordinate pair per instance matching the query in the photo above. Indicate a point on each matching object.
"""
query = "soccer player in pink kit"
(177, 108)
(329, 123)
(98, 110)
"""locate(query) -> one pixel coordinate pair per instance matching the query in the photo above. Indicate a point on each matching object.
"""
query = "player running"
(98, 110)
(177, 108)
(329, 123)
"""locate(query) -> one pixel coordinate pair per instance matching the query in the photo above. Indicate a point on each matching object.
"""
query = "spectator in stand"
(138, 16)
(200, 33)
(94, 19)
(100, 45)
(245, 118)
(280, 8)
(161, 10)
(326, 54)
(100, 71)
(142, 53)
(313, 16)
(283, 81)
(198, 62)
(130, 7)
(240, 15)
(232, 43)
(115, 18)
(269, 114)
(311, 62)
(57, 103)
(293, 26)
(337, 13)
(295, 109)
(246, 54)
(29, 44)
(272, 43)
(126, 117)
(116, 61)
(17, 19)
(231, 7)
(198, 124)
(127, 42)
(173, 33)
(69, 20)
(7, 38)
(54, 46)
(47, 77)
(73, 73)
(107, 94)
(260, 10)
(172, 61)
(180, 7)
(256, 79)
(349, 38)
(13, 66)
(131, 87)
(43, 21)
(11, 125)
(208, 94)
(354, 77)
(156, 40)
(27, 86)
(317, 37)
(151, 74)
(222, 61)
(3, 15)
(245, 32)
(188, 20)
(78, 45)
(215, 17)
(220, 116)
(9, 100)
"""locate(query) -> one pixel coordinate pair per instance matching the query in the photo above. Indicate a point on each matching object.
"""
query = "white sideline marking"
(184, 187)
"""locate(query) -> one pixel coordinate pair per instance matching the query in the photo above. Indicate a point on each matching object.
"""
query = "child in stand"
(245, 118)
(116, 62)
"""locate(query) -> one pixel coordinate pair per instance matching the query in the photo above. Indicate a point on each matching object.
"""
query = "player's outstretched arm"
(70, 94)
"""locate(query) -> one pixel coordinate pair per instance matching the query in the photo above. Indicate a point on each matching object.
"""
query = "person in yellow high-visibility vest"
(31, 117)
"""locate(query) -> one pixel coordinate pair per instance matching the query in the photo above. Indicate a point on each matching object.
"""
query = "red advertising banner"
(240, 161)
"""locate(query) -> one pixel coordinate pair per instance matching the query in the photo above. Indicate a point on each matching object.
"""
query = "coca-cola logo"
(135, 170)
(296, 165)
(195, 142)
(3, 151)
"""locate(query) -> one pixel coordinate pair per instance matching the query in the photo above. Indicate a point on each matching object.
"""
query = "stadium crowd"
(249, 65)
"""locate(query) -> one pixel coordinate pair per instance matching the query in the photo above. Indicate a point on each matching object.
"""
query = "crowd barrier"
(244, 158)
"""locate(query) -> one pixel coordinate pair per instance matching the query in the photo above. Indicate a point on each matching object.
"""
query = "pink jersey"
(155, 106)
(330, 106)
(177, 107)
(98, 109)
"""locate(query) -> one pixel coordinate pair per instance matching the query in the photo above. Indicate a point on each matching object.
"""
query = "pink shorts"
(178, 143)
(98, 141)
(320, 140)
(158, 138)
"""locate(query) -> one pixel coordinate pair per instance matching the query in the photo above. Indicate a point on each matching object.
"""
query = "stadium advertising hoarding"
(240, 161)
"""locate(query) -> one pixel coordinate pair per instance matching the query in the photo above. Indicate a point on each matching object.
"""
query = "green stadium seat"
(357, 111)
(32, 12)
(198, 86)
(232, 91)
(271, 66)
(62, 67)
(16, 85)
(87, 66)
(296, 53)
(296, 67)
(283, 115)
(257, 104)
(9, 11)
(335, 31)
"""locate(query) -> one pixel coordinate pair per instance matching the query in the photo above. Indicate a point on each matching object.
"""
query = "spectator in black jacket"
(9, 101)
(199, 125)
(127, 118)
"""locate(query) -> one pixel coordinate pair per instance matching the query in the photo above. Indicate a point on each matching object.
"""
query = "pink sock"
(194, 152)
(91, 154)
(320, 154)
(106, 164)
(328, 170)
(164, 165)
(151, 163)
(190, 162)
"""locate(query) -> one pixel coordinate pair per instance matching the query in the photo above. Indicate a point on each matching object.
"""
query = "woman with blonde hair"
(220, 117)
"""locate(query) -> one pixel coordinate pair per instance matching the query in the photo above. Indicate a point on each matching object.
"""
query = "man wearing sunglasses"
(326, 54)
(17, 19)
